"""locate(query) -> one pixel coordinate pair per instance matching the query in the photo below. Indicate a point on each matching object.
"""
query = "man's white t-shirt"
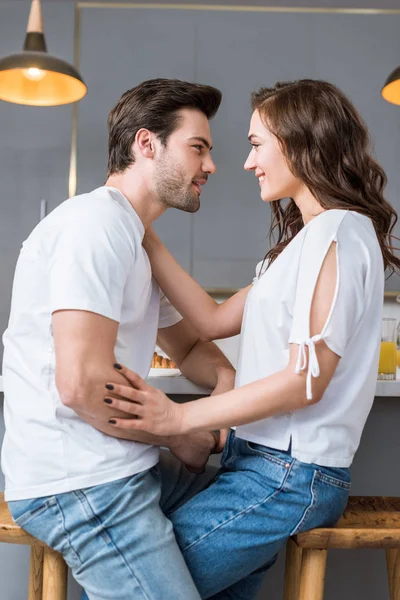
(85, 255)
(277, 313)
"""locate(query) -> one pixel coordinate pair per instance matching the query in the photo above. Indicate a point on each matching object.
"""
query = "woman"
(310, 334)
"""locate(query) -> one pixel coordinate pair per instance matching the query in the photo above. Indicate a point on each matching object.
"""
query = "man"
(83, 298)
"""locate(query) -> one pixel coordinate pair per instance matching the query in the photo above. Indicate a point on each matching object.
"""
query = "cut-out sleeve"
(347, 303)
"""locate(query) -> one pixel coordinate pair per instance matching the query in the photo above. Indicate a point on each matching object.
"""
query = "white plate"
(164, 372)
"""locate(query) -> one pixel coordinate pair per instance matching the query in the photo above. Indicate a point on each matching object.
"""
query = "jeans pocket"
(156, 473)
(279, 457)
(328, 497)
(43, 519)
(227, 448)
(23, 511)
(337, 481)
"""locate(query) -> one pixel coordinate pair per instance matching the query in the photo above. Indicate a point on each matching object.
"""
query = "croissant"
(161, 362)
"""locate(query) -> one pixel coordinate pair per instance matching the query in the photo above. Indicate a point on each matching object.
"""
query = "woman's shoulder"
(350, 229)
(358, 249)
(340, 225)
(330, 219)
(335, 216)
(318, 234)
(354, 234)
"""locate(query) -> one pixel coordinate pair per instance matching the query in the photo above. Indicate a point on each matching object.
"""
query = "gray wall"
(221, 244)
(34, 144)
(238, 52)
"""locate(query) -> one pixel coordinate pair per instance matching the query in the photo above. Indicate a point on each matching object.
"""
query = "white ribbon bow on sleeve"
(313, 365)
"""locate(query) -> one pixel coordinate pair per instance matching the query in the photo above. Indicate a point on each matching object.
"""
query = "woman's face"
(269, 164)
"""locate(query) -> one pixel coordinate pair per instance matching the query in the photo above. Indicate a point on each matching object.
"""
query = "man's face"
(185, 163)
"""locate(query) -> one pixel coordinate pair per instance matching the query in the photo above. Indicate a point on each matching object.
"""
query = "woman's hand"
(147, 408)
(150, 237)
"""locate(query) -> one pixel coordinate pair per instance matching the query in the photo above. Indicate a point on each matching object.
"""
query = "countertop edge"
(178, 384)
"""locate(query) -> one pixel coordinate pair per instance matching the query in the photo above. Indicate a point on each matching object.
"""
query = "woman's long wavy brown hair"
(327, 147)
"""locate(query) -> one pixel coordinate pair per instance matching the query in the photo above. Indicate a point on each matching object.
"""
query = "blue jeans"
(229, 524)
(114, 537)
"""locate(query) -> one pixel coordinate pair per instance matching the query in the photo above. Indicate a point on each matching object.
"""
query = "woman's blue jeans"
(229, 524)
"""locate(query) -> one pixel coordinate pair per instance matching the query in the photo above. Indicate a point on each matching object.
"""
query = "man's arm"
(84, 348)
(201, 362)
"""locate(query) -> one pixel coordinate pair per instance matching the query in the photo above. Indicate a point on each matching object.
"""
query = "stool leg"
(36, 573)
(393, 568)
(312, 575)
(292, 571)
(54, 576)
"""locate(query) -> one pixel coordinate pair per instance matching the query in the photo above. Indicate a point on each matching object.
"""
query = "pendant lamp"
(391, 89)
(35, 77)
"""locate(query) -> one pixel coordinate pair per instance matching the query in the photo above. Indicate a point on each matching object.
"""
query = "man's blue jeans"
(120, 546)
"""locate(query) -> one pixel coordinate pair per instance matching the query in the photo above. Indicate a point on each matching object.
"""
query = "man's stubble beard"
(171, 188)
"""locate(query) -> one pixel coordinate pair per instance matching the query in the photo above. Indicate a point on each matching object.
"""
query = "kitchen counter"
(178, 384)
(171, 381)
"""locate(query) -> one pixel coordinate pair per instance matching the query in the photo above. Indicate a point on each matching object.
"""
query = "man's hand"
(222, 437)
(194, 449)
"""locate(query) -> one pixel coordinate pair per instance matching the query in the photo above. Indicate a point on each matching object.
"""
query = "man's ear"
(144, 141)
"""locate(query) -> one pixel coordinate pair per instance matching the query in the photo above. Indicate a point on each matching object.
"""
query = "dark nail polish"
(112, 421)
(109, 386)
(117, 366)
(108, 400)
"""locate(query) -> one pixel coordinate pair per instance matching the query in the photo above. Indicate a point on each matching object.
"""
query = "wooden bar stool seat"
(48, 571)
(368, 522)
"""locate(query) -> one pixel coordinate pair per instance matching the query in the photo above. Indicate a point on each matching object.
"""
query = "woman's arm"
(213, 321)
(151, 410)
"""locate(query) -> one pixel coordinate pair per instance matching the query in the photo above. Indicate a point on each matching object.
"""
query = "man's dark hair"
(153, 105)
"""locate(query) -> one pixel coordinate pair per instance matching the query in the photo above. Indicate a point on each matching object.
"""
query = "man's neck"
(138, 193)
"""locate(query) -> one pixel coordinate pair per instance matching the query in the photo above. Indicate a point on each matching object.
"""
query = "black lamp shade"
(37, 78)
(61, 83)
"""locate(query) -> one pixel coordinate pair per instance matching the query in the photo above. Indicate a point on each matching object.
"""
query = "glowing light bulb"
(34, 74)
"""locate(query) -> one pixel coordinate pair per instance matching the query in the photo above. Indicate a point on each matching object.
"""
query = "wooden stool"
(368, 522)
(48, 571)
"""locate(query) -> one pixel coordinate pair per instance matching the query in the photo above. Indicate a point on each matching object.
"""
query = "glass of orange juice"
(398, 344)
(388, 353)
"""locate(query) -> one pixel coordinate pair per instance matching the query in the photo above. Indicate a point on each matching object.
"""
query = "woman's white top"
(277, 313)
